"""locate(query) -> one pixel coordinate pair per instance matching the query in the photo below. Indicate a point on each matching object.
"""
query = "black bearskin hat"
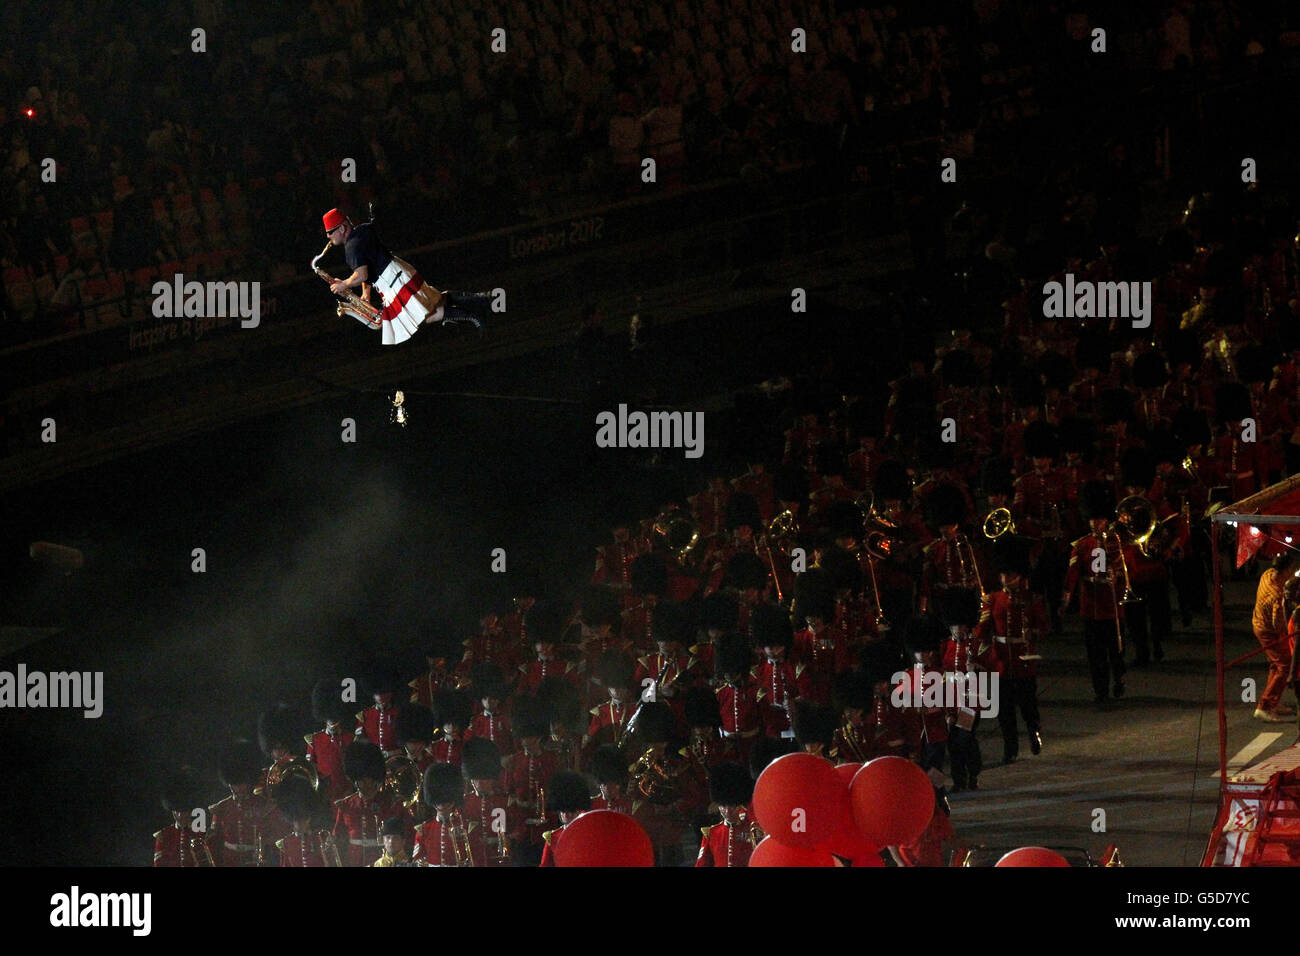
(732, 656)
(924, 632)
(1097, 500)
(745, 571)
(1027, 388)
(279, 727)
(181, 793)
(958, 368)
(1183, 349)
(362, 760)
(675, 622)
(415, 723)
(546, 622)
(1011, 555)
(529, 717)
(1093, 350)
(1254, 363)
(655, 723)
(442, 784)
(892, 482)
(1115, 405)
(843, 573)
(1057, 370)
(567, 792)
(957, 606)
(844, 520)
(742, 509)
(1077, 435)
(295, 799)
(453, 707)
(1137, 467)
(614, 669)
(852, 690)
(1231, 402)
(770, 627)
(383, 679)
(1191, 427)
(945, 505)
(1042, 440)
(764, 751)
(601, 606)
(488, 681)
(813, 596)
(1149, 370)
(701, 706)
(327, 702)
(720, 611)
(730, 784)
(240, 763)
(879, 662)
(813, 723)
(996, 478)
(790, 483)
(562, 703)
(608, 765)
(480, 759)
(649, 575)
(1165, 447)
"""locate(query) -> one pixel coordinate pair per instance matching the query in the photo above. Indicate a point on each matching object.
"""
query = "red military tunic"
(1014, 621)
(526, 780)
(439, 843)
(537, 670)
(325, 750)
(614, 564)
(780, 684)
(359, 821)
(380, 728)
(608, 722)
(949, 563)
(180, 846)
(710, 510)
(315, 848)
(239, 828)
(495, 727)
(492, 826)
(738, 705)
(1039, 504)
(726, 845)
(822, 656)
(449, 751)
(762, 487)
(924, 722)
(1097, 592)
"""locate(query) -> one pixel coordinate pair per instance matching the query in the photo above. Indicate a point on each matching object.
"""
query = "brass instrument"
(975, 565)
(651, 779)
(329, 844)
(352, 304)
(997, 523)
(678, 532)
(782, 529)
(459, 837)
(402, 776)
(293, 767)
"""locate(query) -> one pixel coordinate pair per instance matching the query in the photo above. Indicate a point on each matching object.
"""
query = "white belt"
(371, 843)
(1012, 640)
(240, 847)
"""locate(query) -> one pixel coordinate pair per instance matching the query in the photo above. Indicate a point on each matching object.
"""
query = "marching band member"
(306, 845)
(443, 840)
(180, 844)
(453, 710)
(1015, 619)
(737, 693)
(492, 825)
(1098, 586)
(610, 718)
(569, 797)
(415, 729)
(358, 817)
(609, 767)
(436, 676)
(408, 302)
(780, 681)
(529, 768)
(963, 655)
(731, 842)
(325, 747)
(378, 722)
(396, 840)
(242, 827)
(490, 722)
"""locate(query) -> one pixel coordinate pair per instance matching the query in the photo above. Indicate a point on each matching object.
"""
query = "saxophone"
(352, 304)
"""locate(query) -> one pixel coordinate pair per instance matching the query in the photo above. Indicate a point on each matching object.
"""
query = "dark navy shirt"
(364, 249)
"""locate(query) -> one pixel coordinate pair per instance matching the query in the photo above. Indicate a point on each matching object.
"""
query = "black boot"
(471, 307)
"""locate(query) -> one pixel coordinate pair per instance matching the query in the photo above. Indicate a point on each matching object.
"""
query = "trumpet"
(459, 837)
(975, 566)
(330, 849)
(352, 304)
(402, 776)
(282, 770)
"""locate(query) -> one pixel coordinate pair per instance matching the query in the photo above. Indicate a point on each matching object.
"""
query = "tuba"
(652, 780)
(677, 532)
(402, 776)
(293, 767)
(352, 304)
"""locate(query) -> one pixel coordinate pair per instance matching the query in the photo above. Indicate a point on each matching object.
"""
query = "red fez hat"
(333, 219)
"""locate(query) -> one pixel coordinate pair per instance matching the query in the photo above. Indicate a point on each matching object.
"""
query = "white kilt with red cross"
(408, 301)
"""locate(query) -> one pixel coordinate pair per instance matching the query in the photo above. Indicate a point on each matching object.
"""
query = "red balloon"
(770, 852)
(892, 800)
(1033, 856)
(603, 838)
(849, 843)
(801, 801)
